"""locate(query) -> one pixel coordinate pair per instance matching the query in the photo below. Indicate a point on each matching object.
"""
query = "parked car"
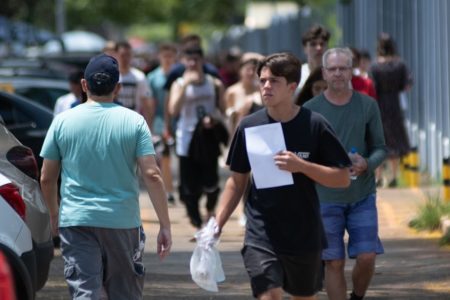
(41, 90)
(41, 80)
(25, 231)
(7, 291)
(27, 120)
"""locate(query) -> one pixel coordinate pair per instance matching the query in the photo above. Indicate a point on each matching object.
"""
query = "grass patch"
(445, 240)
(429, 216)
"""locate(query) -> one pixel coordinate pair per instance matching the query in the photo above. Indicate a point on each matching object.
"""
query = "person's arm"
(221, 96)
(147, 101)
(157, 192)
(49, 186)
(176, 98)
(167, 131)
(148, 105)
(376, 142)
(232, 193)
(332, 177)
(229, 97)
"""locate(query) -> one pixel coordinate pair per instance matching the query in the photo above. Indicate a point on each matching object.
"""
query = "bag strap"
(216, 89)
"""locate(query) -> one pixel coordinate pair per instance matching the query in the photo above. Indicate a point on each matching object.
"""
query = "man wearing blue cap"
(98, 146)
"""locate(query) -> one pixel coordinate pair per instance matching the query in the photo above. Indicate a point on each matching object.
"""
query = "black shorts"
(297, 275)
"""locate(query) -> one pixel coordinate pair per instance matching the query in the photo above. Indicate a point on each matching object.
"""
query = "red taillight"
(12, 195)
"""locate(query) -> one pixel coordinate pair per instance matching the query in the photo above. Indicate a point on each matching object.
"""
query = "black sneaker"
(380, 182)
(171, 199)
(393, 183)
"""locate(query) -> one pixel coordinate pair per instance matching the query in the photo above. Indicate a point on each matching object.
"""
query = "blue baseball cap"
(102, 72)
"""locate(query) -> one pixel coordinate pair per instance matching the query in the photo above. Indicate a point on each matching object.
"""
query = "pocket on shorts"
(139, 269)
(69, 271)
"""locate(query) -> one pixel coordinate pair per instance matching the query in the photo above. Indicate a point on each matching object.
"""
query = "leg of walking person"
(124, 271)
(212, 198)
(335, 284)
(167, 173)
(364, 243)
(334, 220)
(362, 273)
(272, 294)
(190, 189)
(277, 294)
(394, 162)
(83, 262)
(210, 180)
(193, 210)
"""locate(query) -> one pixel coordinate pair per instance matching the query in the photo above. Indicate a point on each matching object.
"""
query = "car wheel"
(22, 279)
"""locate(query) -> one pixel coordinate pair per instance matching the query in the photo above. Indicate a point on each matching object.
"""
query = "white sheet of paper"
(263, 142)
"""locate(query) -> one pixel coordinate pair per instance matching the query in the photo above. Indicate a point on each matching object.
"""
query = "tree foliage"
(25, 10)
(98, 14)
(93, 14)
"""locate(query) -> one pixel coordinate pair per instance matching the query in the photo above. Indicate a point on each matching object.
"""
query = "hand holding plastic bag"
(206, 265)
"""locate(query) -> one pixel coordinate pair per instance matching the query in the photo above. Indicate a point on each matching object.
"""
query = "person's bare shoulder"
(235, 89)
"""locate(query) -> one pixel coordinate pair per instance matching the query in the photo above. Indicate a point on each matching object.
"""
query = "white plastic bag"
(206, 265)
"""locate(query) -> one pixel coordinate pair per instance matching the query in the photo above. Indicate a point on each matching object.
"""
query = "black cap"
(101, 72)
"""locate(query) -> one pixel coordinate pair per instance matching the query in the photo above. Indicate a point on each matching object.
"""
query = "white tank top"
(195, 96)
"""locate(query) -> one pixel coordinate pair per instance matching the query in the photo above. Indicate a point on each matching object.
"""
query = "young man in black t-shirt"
(284, 233)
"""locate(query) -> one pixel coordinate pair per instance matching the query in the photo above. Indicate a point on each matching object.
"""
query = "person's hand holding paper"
(263, 143)
(288, 161)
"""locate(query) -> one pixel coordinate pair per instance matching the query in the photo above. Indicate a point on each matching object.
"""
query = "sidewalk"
(413, 266)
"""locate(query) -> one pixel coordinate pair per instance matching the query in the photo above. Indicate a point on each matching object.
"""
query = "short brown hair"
(123, 44)
(167, 47)
(191, 39)
(315, 32)
(282, 64)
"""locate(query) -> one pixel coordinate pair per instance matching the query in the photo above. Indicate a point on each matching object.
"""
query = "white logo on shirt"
(304, 155)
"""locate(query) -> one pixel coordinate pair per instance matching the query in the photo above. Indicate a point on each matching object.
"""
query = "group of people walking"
(295, 229)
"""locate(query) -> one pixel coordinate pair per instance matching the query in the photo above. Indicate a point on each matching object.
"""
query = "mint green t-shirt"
(357, 125)
(98, 145)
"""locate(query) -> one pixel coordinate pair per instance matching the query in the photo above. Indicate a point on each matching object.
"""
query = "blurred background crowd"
(43, 43)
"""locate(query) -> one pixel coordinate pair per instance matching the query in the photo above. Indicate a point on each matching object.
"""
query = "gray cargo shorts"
(103, 263)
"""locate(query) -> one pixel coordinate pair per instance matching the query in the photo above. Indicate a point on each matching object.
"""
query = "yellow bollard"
(403, 168)
(407, 165)
(446, 179)
(414, 175)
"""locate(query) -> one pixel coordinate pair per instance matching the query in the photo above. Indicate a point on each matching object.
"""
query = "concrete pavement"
(413, 267)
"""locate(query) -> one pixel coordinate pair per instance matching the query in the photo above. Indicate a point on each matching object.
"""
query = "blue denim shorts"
(360, 219)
